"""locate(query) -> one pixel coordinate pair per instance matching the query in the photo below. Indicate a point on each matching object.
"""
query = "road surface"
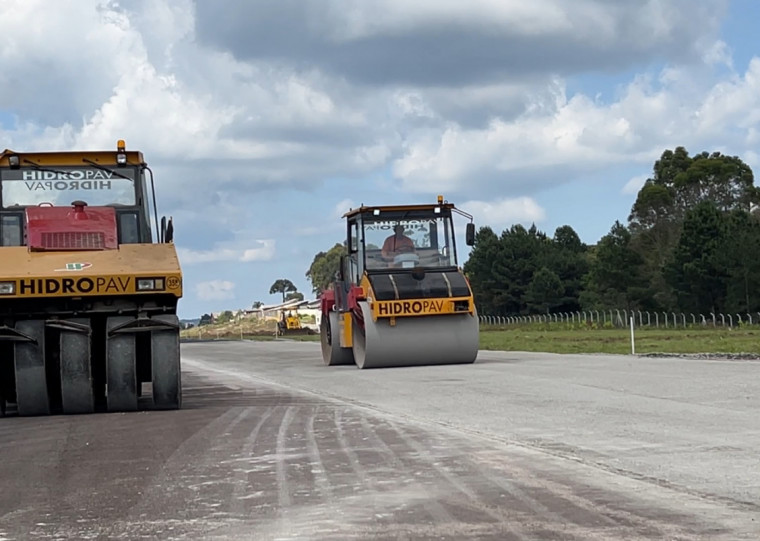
(272, 444)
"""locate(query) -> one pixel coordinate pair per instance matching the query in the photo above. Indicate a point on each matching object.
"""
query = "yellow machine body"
(107, 272)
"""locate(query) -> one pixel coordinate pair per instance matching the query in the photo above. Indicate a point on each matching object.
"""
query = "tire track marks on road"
(473, 506)
(321, 480)
(283, 495)
(564, 509)
(432, 505)
(242, 490)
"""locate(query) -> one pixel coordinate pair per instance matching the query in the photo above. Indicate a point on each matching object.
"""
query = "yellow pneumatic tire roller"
(415, 341)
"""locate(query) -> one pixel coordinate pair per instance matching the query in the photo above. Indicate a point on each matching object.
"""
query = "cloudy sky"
(265, 120)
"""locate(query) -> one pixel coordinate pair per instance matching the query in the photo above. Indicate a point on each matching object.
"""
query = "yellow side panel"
(346, 331)
(89, 273)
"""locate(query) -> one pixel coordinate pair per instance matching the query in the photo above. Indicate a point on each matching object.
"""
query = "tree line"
(691, 244)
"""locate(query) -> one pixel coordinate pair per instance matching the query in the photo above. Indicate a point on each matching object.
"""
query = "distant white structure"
(304, 307)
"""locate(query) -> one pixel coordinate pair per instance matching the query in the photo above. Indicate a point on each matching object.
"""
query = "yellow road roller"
(89, 285)
(401, 298)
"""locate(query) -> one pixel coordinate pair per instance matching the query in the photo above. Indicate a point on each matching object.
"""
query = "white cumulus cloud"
(262, 250)
(215, 290)
(507, 211)
(633, 186)
(576, 135)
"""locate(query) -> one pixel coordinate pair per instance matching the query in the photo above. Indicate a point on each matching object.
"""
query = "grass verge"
(552, 338)
(647, 340)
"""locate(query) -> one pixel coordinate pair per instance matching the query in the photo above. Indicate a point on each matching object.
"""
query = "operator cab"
(91, 180)
(402, 239)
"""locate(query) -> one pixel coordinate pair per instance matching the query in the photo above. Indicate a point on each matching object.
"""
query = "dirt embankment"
(245, 327)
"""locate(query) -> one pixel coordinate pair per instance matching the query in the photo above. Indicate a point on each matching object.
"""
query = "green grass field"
(560, 339)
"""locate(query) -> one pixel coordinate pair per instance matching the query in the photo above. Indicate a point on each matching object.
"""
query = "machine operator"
(398, 243)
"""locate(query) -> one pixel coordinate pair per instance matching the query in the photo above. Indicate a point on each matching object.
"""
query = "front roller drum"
(415, 341)
(329, 331)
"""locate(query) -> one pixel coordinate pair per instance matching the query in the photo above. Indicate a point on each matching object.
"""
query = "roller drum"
(415, 341)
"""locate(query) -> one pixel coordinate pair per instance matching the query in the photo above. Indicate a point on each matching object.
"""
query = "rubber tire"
(76, 378)
(165, 362)
(121, 369)
(32, 396)
(332, 353)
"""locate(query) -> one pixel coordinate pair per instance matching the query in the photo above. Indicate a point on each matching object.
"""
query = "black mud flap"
(9, 334)
(144, 324)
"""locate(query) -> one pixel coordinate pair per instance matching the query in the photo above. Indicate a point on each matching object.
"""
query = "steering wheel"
(406, 260)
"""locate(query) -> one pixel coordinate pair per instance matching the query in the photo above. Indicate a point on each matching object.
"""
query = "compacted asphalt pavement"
(271, 444)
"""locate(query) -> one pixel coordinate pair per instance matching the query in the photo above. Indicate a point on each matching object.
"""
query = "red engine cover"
(77, 228)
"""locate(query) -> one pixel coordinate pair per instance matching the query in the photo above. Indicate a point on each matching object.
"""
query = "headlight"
(150, 284)
(7, 288)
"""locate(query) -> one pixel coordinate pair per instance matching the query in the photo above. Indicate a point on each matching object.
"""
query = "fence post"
(739, 319)
(657, 319)
(633, 343)
(749, 318)
(730, 321)
(649, 319)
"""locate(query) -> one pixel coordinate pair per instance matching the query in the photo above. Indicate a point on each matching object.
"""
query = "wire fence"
(622, 318)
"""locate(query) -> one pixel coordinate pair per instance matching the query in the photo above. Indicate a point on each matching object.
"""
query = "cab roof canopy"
(71, 157)
(400, 208)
